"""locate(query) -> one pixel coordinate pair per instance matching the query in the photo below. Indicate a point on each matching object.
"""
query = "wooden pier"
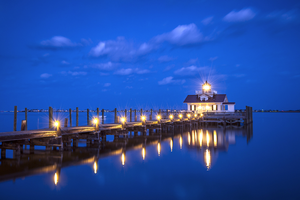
(57, 136)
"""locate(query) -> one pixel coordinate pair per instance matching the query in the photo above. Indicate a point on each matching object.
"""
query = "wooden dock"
(59, 136)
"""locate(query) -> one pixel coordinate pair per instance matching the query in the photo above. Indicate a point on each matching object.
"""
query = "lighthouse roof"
(196, 99)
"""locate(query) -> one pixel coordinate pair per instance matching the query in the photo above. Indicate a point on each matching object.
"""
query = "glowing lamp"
(195, 115)
(188, 115)
(158, 117)
(123, 120)
(143, 118)
(180, 116)
(95, 121)
(171, 117)
(56, 124)
(206, 87)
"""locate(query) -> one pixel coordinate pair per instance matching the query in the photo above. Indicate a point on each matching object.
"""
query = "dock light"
(206, 87)
(95, 121)
(201, 115)
(189, 115)
(180, 116)
(195, 115)
(56, 124)
(143, 118)
(171, 117)
(123, 120)
(158, 117)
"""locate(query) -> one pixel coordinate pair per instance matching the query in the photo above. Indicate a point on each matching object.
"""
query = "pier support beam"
(88, 116)
(135, 117)
(130, 115)
(15, 118)
(26, 118)
(102, 116)
(50, 117)
(70, 116)
(151, 114)
(116, 116)
(77, 116)
(125, 114)
(98, 113)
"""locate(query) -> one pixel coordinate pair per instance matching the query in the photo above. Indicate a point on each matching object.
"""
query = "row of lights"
(143, 118)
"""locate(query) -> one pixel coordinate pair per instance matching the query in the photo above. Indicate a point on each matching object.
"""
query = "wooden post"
(159, 112)
(88, 116)
(98, 113)
(70, 115)
(167, 113)
(23, 125)
(135, 117)
(15, 118)
(130, 113)
(76, 116)
(141, 112)
(125, 114)
(26, 118)
(102, 116)
(116, 119)
(66, 122)
(50, 117)
(151, 114)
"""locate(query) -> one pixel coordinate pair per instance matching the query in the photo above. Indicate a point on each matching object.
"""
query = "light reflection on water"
(222, 162)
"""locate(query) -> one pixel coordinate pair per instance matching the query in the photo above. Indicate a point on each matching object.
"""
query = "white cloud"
(207, 20)
(182, 35)
(189, 71)
(165, 59)
(64, 62)
(124, 71)
(58, 42)
(129, 71)
(170, 80)
(105, 66)
(283, 15)
(74, 73)
(120, 50)
(107, 84)
(45, 75)
(240, 16)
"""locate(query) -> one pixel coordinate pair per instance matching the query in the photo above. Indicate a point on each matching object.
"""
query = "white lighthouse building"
(207, 100)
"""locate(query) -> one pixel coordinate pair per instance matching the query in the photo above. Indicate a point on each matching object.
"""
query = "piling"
(135, 117)
(50, 117)
(15, 118)
(26, 118)
(102, 116)
(76, 116)
(116, 119)
(66, 122)
(70, 116)
(151, 114)
(23, 125)
(88, 116)
(98, 113)
(141, 112)
(130, 113)
(125, 114)
(159, 112)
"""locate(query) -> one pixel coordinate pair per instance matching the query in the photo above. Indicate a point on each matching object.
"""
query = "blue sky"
(148, 54)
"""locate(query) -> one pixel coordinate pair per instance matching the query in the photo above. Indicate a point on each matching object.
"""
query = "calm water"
(207, 163)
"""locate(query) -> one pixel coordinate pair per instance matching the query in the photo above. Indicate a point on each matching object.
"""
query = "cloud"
(213, 58)
(120, 50)
(107, 84)
(189, 71)
(105, 66)
(65, 62)
(169, 68)
(58, 42)
(129, 71)
(284, 16)
(165, 59)
(207, 20)
(170, 80)
(182, 35)
(124, 71)
(240, 16)
(45, 75)
(74, 73)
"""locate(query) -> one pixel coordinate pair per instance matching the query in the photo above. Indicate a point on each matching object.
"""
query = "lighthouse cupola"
(206, 88)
